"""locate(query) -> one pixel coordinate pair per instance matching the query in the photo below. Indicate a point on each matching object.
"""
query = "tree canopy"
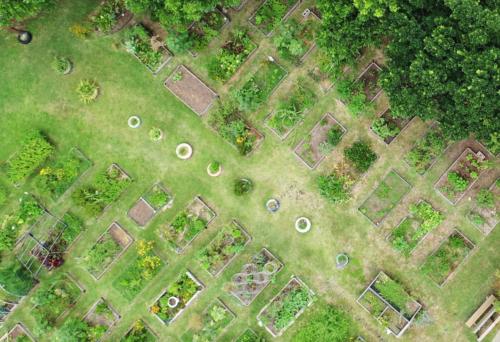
(16, 10)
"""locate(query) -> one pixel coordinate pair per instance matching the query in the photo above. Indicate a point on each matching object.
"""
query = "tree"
(17, 10)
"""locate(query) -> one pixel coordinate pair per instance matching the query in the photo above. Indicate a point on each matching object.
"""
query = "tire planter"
(341, 260)
(214, 174)
(303, 225)
(24, 37)
(184, 151)
(134, 121)
(173, 302)
(273, 205)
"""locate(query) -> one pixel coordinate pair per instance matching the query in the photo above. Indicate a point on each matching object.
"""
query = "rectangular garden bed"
(369, 79)
(215, 318)
(387, 127)
(291, 109)
(176, 298)
(187, 224)
(100, 319)
(188, 88)
(414, 228)
(231, 239)
(139, 331)
(248, 336)
(203, 31)
(156, 199)
(461, 175)
(485, 209)
(270, 13)
(387, 301)
(444, 262)
(320, 77)
(108, 248)
(147, 48)
(385, 197)
(18, 333)
(324, 136)
(286, 307)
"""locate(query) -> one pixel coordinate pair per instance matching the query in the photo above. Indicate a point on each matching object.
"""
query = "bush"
(61, 65)
(87, 90)
(334, 188)
(485, 199)
(242, 186)
(361, 155)
(16, 279)
(385, 129)
(457, 182)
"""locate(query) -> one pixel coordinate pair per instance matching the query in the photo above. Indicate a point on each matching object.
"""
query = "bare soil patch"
(369, 79)
(141, 212)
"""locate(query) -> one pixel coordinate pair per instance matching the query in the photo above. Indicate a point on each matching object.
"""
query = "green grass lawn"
(34, 96)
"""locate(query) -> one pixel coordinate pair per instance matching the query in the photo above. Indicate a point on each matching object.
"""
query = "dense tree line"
(16, 10)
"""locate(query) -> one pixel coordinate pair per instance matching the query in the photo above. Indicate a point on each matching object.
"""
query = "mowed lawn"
(33, 96)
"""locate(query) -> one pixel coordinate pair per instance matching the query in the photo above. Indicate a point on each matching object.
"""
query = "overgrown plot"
(99, 320)
(388, 127)
(201, 32)
(139, 332)
(369, 80)
(427, 149)
(156, 199)
(485, 208)
(110, 17)
(248, 336)
(270, 13)
(385, 197)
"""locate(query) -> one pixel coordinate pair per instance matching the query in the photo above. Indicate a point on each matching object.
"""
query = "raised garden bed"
(255, 276)
(426, 150)
(147, 48)
(443, 263)
(414, 228)
(485, 209)
(188, 88)
(285, 307)
(385, 197)
(108, 248)
(139, 332)
(110, 17)
(59, 175)
(321, 77)
(18, 333)
(230, 240)
(291, 109)
(155, 200)
(214, 319)
(100, 319)
(176, 298)
(187, 224)
(248, 336)
(369, 80)
(270, 13)
(203, 31)
(387, 301)
(105, 189)
(461, 175)
(387, 127)
(322, 139)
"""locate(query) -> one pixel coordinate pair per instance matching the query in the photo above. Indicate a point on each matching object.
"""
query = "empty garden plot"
(485, 208)
(266, 15)
(99, 320)
(254, 276)
(203, 31)
(443, 263)
(369, 80)
(188, 88)
(388, 301)
(427, 149)
(176, 298)
(322, 139)
(155, 200)
(230, 240)
(18, 333)
(108, 248)
(140, 331)
(461, 175)
(286, 307)
(187, 224)
(387, 127)
(385, 197)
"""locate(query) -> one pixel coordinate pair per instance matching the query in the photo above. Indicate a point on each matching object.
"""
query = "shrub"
(242, 186)
(361, 155)
(485, 199)
(87, 90)
(457, 182)
(426, 150)
(61, 65)
(15, 278)
(155, 134)
(385, 129)
(334, 188)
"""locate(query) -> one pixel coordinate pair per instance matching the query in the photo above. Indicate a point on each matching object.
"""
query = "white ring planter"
(214, 174)
(184, 151)
(134, 121)
(341, 260)
(273, 205)
(305, 229)
(173, 302)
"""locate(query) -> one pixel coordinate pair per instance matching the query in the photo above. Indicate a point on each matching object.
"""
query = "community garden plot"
(100, 319)
(461, 175)
(203, 31)
(139, 331)
(214, 319)
(286, 307)
(108, 248)
(254, 276)
(322, 139)
(421, 221)
(18, 333)
(369, 80)
(188, 88)
(387, 301)
(230, 240)
(248, 336)
(385, 197)
(187, 224)
(485, 208)
(387, 127)
(264, 18)
(155, 200)
(444, 262)
(176, 298)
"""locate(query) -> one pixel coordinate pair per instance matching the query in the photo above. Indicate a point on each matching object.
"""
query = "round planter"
(341, 260)
(69, 68)
(173, 302)
(214, 174)
(184, 151)
(134, 121)
(273, 205)
(270, 267)
(303, 225)
(24, 37)
(155, 137)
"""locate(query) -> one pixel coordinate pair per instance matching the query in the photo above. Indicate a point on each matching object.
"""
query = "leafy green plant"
(101, 255)
(269, 15)
(87, 90)
(61, 65)
(385, 129)
(214, 166)
(361, 155)
(457, 182)
(3, 195)
(242, 186)
(74, 226)
(485, 199)
(394, 293)
(155, 134)
(335, 188)
(291, 40)
(139, 333)
(426, 150)
(138, 42)
(157, 197)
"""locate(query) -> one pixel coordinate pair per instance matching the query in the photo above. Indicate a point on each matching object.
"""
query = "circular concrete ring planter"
(273, 205)
(214, 174)
(271, 267)
(341, 260)
(184, 151)
(173, 302)
(134, 121)
(303, 225)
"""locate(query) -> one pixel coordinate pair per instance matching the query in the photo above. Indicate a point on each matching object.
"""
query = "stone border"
(488, 231)
(116, 315)
(310, 133)
(22, 327)
(285, 17)
(372, 63)
(404, 128)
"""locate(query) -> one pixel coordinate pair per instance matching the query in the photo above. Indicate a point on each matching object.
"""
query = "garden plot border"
(445, 174)
(186, 69)
(285, 17)
(452, 274)
(148, 328)
(401, 199)
(117, 257)
(365, 70)
(116, 315)
(143, 199)
(24, 330)
(404, 128)
(189, 302)
(296, 316)
(388, 305)
(490, 228)
(310, 133)
(227, 21)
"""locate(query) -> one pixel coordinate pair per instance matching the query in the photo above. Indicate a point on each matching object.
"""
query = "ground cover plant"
(385, 197)
(232, 54)
(108, 15)
(260, 85)
(484, 211)
(422, 220)
(215, 318)
(98, 321)
(270, 13)
(176, 298)
(139, 332)
(426, 150)
(105, 189)
(388, 127)
(295, 39)
(335, 187)
(230, 240)
(442, 264)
